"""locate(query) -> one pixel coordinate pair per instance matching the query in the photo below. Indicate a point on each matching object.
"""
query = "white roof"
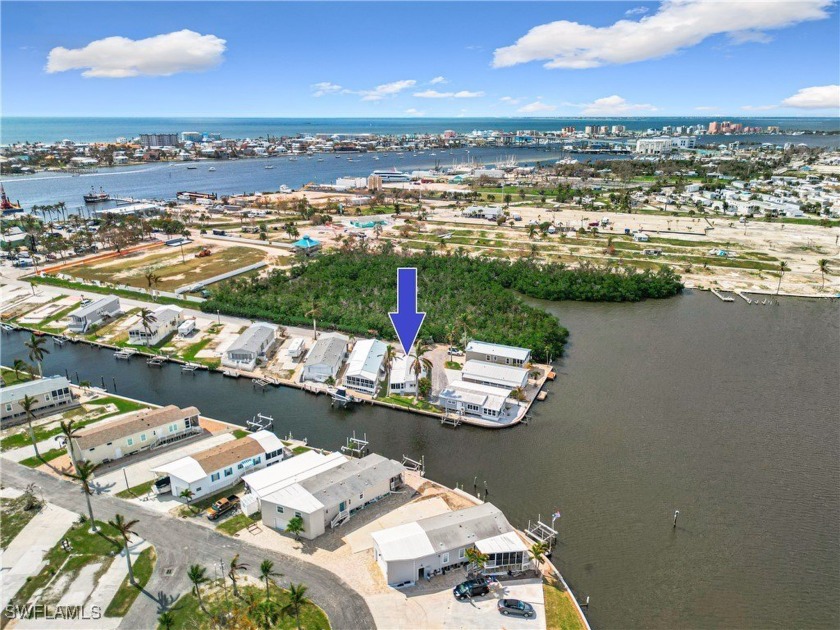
(476, 394)
(494, 372)
(296, 497)
(498, 350)
(267, 481)
(501, 543)
(267, 440)
(403, 542)
(185, 469)
(366, 359)
(401, 370)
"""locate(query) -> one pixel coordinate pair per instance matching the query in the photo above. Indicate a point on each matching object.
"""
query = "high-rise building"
(714, 127)
(158, 139)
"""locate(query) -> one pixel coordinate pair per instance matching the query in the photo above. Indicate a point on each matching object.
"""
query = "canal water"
(729, 413)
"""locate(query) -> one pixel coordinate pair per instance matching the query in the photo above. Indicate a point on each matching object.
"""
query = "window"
(445, 558)
(173, 427)
(8, 406)
(142, 437)
(240, 466)
(214, 477)
(228, 472)
(130, 441)
(362, 497)
(256, 460)
(280, 509)
(198, 489)
(462, 554)
(46, 398)
(298, 515)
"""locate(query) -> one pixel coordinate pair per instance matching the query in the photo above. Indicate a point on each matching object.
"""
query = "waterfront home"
(93, 314)
(325, 359)
(497, 353)
(306, 246)
(166, 321)
(402, 379)
(329, 496)
(506, 377)
(364, 367)
(253, 345)
(471, 399)
(214, 469)
(413, 551)
(262, 483)
(138, 431)
(51, 394)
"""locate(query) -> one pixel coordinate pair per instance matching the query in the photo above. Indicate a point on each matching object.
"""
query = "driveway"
(180, 543)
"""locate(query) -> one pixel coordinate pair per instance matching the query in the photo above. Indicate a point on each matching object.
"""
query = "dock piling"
(676, 514)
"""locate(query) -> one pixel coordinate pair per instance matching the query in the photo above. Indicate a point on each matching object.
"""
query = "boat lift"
(259, 422)
(541, 533)
(415, 466)
(356, 447)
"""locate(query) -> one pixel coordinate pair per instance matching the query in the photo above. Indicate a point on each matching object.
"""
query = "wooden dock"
(725, 298)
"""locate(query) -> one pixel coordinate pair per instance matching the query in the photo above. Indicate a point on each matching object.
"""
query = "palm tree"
(783, 267)
(297, 599)
(476, 558)
(314, 312)
(26, 403)
(537, 553)
(151, 280)
(418, 365)
(36, 351)
(147, 318)
(197, 574)
(822, 268)
(166, 619)
(295, 526)
(84, 474)
(266, 573)
(388, 359)
(18, 366)
(233, 570)
(124, 528)
(70, 431)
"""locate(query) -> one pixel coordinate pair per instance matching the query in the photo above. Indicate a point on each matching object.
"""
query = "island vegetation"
(463, 296)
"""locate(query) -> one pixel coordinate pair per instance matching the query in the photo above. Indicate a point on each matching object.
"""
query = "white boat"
(285, 189)
(231, 373)
(211, 169)
(320, 159)
(268, 166)
(293, 159)
(191, 167)
(342, 397)
(375, 157)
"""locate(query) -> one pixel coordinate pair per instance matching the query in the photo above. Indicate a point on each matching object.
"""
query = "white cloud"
(636, 11)
(614, 106)
(817, 97)
(511, 100)
(414, 112)
(437, 80)
(676, 25)
(325, 87)
(436, 94)
(120, 57)
(384, 90)
(758, 108)
(536, 107)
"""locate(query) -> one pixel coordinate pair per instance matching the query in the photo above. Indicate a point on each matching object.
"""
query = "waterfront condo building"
(253, 345)
(51, 394)
(165, 321)
(93, 314)
(410, 552)
(214, 469)
(138, 431)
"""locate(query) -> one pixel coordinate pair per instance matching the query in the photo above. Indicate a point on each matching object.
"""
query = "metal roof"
(36, 387)
(498, 350)
(328, 350)
(351, 478)
(366, 359)
(254, 337)
(267, 481)
(475, 394)
(501, 544)
(94, 307)
(495, 373)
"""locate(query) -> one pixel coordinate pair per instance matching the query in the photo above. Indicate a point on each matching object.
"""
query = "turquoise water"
(21, 129)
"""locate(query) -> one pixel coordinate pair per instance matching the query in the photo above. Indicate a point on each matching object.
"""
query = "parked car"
(471, 588)
(162, 485)
(516, 607)
(222, 506)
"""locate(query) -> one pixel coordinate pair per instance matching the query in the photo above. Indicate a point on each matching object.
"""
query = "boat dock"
(725, 298)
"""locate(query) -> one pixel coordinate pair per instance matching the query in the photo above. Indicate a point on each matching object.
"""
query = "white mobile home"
(166, 320)
(93, 314)
(331, 496)
(472, 399)
(364, 367)
(503, 376)
(325, 359)
(51, 395)
(253, 345)
(410, 552)
(497, 353)
(214, 469)
(138, 431)
(402, 379)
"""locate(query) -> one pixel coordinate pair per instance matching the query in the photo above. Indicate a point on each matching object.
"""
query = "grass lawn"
(297, 450)
(453, 365)
(137, 491)
(15, 517)
(46, 456)
(92, 288)
(87, 548)
(188, 614)
(9, 377)
(172, 270)
(408, 401)
(240, 433)
(128, 592)
(560, 611)
(237, 522)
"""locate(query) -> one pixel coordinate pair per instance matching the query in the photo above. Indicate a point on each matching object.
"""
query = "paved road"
(180, 543)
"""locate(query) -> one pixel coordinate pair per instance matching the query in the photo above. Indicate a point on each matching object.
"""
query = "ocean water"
(22, 129)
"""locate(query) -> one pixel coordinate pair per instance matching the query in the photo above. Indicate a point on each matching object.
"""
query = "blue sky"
(420, 59)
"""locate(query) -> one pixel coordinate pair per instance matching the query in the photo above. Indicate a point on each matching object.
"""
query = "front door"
(421, 573)
(118, 454)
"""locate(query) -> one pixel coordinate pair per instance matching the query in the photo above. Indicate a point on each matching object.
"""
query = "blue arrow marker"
(407, 320)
